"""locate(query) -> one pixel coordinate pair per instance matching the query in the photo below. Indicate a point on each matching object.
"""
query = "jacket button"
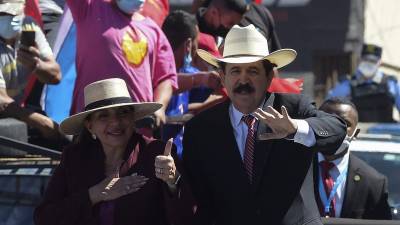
(323, 133)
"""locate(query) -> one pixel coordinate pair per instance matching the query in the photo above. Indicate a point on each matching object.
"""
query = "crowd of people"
(222, 148)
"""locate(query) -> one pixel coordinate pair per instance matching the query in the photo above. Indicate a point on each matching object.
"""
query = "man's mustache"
(244, 88)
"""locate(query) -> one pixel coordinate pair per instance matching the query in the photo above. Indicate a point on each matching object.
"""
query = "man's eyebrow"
(253, 67)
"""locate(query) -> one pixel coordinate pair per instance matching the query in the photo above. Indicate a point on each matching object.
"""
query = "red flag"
(207, 42)
(32, 10)
(282, 85)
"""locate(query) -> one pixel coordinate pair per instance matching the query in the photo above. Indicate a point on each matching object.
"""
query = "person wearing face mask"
(181, 30)
(216, 17)
(18, 62)
(345, 186)
(114, 39)
(373, 92)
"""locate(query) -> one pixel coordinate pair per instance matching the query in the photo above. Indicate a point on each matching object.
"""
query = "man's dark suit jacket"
(220, 184)
(364, 198)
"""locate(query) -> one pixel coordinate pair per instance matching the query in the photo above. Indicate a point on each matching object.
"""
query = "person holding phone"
(24, 51)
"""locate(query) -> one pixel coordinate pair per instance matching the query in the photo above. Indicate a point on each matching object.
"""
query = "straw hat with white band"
(247, 45)
(104, 94)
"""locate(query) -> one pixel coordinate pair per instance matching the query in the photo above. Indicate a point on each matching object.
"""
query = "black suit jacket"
(365, 194)
(282, 182)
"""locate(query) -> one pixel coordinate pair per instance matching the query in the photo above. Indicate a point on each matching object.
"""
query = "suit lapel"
(261, 152)
(316, 178)
(229, 149)
(353, 182)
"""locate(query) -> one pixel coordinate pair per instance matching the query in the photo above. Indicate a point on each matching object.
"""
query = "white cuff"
(304, 134)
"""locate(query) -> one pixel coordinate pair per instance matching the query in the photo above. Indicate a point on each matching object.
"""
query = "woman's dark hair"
(88, 146)
(85, 137)
(178, 27)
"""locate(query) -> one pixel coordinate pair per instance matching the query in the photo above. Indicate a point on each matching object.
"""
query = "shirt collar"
(236, 115)
(340, 163)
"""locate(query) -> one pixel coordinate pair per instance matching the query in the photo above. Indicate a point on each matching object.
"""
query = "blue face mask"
(187, 61)
(130, 6)
(10, 26)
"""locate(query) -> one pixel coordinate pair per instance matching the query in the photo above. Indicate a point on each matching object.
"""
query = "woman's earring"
(94, 136)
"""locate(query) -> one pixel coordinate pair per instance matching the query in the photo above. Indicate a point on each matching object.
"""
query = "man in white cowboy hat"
(18, 61)
(248, 159)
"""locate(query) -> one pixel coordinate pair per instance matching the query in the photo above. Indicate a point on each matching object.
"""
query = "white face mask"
(130, 6)
(368, 69)
(346, 142)
(10, 26)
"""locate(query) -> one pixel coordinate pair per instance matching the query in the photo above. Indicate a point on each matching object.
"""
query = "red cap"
(207, 43)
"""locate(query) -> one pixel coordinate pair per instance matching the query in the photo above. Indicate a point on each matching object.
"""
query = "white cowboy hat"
(13, 7)
(247, 45)
(105, 94)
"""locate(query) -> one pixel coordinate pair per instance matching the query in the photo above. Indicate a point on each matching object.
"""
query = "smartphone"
(28, 38)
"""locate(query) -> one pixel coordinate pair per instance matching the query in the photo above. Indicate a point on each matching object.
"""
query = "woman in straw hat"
(111, 174)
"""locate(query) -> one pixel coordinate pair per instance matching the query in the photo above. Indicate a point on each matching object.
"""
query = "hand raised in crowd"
(29, 57)
(214, 80)
(209, 79)
(281, 124)
(114, 187)
(165, 166)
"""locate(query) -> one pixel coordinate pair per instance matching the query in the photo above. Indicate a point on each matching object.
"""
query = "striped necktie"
(248, 158)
